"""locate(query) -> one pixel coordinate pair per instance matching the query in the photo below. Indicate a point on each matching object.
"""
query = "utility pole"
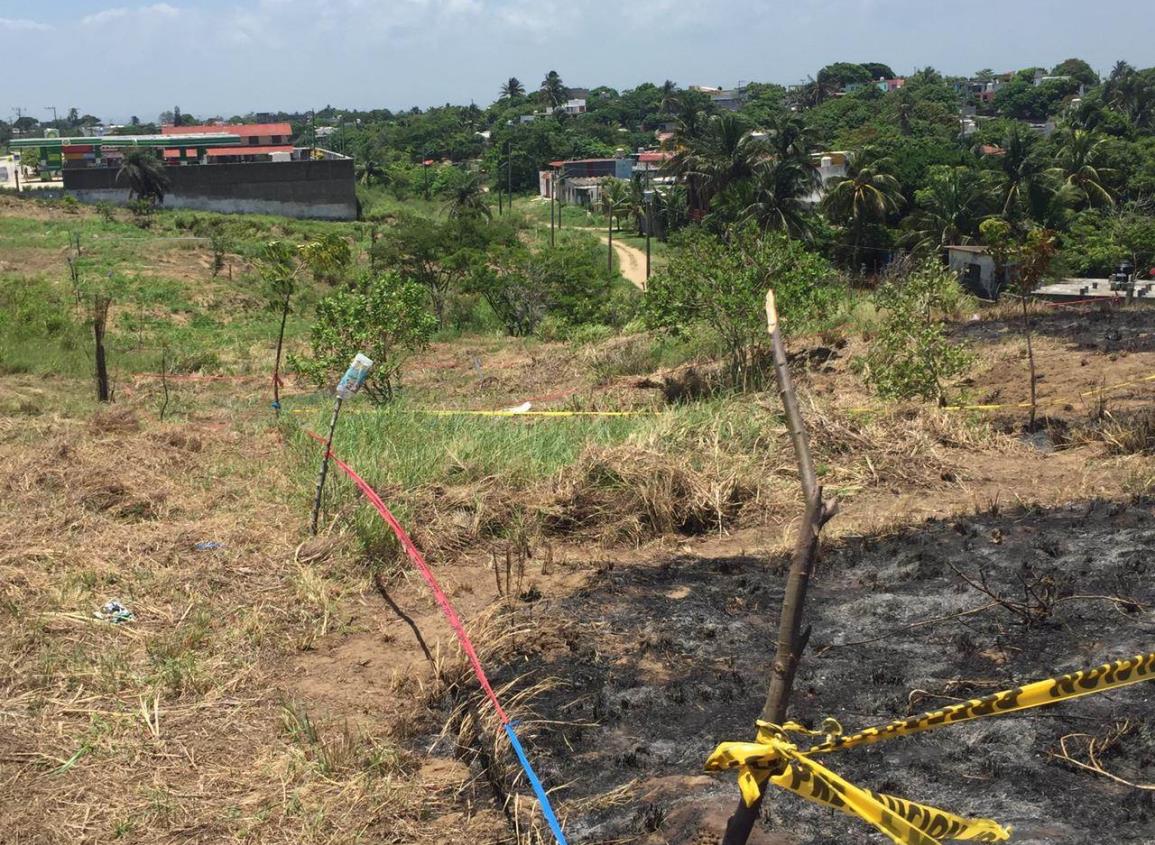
(425, 170)
(552, 197)
(649, 199)
(55, 120)
(509, 173)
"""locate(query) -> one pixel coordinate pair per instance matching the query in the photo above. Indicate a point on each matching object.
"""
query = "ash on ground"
(658, 664)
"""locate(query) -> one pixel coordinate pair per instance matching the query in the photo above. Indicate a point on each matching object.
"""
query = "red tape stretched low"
(426, 575)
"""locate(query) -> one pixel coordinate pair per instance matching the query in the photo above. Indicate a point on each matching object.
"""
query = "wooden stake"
(792, 638)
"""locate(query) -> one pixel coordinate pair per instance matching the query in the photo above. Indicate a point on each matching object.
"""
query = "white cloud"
(21, 25)
(153, 12)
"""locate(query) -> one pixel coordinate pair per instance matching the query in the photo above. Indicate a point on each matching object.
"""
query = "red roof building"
(257, 139)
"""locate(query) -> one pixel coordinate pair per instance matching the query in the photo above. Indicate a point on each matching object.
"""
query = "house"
(976, 270)
(725, 99)
(573, 106)
(579, 181)
(259, 142)
(830, 165)
(649, 162)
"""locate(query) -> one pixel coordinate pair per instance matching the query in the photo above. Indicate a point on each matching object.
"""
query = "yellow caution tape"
(1098, 391)
(778, 761)
(773, 758)
(1109, 676)
(437, 412)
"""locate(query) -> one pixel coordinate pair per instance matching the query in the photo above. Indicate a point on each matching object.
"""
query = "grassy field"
(619, 574)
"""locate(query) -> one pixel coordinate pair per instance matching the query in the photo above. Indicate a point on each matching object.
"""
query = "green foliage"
(568, 283)
(384, 317)
(911, 355)
(438, 255)
(145, 176)
(329, 257)
(723, 284)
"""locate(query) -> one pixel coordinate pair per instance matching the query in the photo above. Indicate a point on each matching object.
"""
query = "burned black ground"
(658, 664)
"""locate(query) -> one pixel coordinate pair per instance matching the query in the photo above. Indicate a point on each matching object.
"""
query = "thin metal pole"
(324, 467)
(552, 197)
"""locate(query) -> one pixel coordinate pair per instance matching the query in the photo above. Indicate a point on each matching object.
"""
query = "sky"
(116, 58)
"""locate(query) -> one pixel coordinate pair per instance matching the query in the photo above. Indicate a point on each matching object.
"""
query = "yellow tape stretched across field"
(772, 757)
(437, 412)
(1046, 403)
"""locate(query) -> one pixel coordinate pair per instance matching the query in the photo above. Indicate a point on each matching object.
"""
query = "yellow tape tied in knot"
(774, 758)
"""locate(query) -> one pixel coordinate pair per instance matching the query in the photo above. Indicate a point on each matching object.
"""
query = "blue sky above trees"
(227, 56)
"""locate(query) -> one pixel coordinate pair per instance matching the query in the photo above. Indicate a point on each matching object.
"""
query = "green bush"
(911, 355)
(568, 284)
(723, 285)
(384, 318)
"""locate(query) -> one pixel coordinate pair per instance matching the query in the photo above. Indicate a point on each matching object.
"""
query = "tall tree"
(467, 200)
(512, 88)
(777, 197)
(145, 176)
(553, 91)
(1078, 165)
(868, 194)
(949, 207)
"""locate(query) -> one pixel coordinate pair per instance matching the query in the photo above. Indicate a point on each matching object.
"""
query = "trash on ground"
(115, 612)
(208, 546)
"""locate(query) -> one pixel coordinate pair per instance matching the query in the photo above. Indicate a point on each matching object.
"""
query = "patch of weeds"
(336, 751)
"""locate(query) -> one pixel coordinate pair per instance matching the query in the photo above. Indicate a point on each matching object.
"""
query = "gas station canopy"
(214, 139)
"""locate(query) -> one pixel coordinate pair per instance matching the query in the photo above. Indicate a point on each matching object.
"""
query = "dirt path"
(632, 262)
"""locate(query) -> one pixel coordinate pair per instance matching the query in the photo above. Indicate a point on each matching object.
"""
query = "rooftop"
(244, 130)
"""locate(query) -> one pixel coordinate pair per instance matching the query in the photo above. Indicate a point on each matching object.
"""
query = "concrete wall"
(322, 190)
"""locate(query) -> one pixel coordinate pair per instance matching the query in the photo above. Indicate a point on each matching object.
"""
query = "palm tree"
(867, 194)
(1076, 164)
(724, 153)
(512, 88)
(552, 91)
(468, 200)
(670, 100)
(370, 172)
(788, 136)
(950, 207)
(616, 199)
(777, 196)
(1030, 189)
(145, 174)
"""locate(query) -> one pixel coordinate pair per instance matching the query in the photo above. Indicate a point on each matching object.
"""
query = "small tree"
(329, 258)
(280, 265)
(911, 354)
(724, 284)
(1031, 259)
(384, 318)
(145, 175)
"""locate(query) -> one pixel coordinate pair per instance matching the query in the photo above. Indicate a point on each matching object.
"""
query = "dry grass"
(172, 727)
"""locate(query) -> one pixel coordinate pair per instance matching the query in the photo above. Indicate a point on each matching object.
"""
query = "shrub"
(569, 283)
(384, 318)
(723, 285)
(911, 355)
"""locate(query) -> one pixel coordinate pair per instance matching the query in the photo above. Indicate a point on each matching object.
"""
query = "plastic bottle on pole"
(354, 377)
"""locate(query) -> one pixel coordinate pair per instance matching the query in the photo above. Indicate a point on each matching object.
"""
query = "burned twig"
(379, 583)
(792, 638)
(1095, 747)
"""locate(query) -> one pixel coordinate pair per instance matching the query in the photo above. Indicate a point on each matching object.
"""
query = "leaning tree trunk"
(280, 347)
(99, 324)
(792, 638)
(1030, 361)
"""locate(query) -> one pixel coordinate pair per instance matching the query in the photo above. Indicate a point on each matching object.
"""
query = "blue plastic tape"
(538, 789)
